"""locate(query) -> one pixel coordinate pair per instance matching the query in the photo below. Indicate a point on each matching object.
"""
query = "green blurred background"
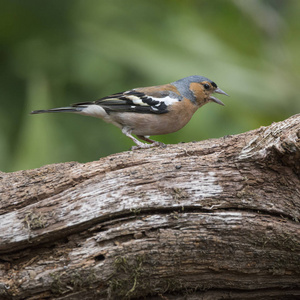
(54, 53)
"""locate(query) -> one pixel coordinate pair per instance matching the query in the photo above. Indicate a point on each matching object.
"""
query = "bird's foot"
(147, 146)
(159, 144)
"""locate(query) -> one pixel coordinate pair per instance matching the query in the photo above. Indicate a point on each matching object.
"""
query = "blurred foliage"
(54, 53)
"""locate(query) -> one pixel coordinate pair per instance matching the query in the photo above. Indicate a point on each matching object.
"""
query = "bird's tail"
(82, 108)
(55, 110)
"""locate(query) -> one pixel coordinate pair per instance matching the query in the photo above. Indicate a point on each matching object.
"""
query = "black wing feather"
(121, 102)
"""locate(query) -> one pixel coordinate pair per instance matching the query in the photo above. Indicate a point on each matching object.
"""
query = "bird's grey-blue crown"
(183, 85)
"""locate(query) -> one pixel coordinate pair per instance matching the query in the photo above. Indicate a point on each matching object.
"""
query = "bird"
(147, 111)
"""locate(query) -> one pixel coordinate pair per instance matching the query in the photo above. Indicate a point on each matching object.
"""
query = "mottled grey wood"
(206, 220)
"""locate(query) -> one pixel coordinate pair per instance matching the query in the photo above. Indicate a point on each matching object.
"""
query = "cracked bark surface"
(217, 219)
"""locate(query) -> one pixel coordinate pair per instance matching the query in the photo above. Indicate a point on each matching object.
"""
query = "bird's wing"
(141, 100)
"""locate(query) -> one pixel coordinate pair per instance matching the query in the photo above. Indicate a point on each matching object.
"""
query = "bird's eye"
(206, 86)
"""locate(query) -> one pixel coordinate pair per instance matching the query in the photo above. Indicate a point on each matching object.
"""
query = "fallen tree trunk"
(217, 219)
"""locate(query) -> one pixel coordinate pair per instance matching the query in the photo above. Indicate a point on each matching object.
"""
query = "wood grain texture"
(206, 220)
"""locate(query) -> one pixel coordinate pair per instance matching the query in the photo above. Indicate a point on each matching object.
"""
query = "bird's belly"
(151, 124)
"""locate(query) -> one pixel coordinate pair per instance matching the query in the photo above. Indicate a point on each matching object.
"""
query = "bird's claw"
(147, 146)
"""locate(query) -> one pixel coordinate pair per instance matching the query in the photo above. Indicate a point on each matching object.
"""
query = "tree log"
(217, 219)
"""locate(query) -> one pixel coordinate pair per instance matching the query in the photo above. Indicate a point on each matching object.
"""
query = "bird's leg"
(139, 145)
(152, 142)
(146, 138)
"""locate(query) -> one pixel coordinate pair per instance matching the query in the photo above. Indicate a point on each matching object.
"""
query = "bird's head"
(199, 89)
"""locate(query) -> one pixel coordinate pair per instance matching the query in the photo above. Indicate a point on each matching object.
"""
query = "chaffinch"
(150, 110)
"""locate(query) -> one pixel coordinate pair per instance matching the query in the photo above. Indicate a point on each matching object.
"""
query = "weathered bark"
(217, 219)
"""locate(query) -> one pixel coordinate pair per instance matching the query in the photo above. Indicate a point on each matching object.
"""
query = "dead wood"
(217, 219)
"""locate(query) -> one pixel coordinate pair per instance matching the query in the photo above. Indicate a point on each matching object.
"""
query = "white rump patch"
(94, 110)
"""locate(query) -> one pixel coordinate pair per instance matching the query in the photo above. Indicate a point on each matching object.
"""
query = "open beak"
(215, 99)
